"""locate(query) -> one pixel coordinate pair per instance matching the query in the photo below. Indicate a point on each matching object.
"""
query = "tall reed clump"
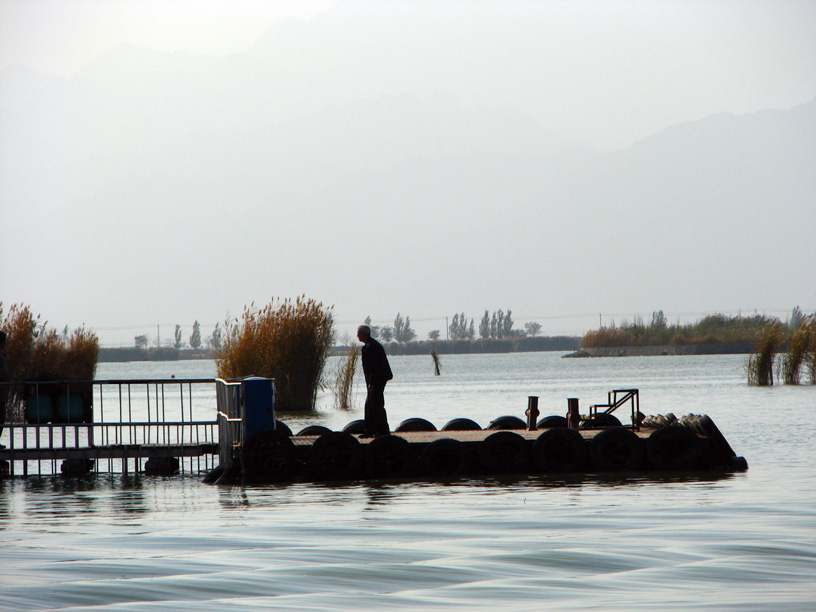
(761, 361)
(801, 351)
(288, 341)
(37, 353)
(812, 363)
(344, 380)
(22, 327)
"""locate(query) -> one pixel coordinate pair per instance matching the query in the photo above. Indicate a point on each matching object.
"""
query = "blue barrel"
(70, 408)
(39, 409)
(258, 403)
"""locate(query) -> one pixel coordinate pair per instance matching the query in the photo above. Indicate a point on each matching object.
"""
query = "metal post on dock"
(532, 412)
(573, 413)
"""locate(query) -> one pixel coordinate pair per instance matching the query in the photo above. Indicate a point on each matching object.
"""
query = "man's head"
(364, 333)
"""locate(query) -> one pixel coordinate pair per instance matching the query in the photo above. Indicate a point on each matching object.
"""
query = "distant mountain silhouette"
(184, 143)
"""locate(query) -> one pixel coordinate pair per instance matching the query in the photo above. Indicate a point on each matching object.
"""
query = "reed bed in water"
(288, 341)
(812, 367)
(37, 353)
(761, 362)
(346, 369)
(802, 350)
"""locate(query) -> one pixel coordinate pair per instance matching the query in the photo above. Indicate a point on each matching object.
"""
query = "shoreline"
(738, 348)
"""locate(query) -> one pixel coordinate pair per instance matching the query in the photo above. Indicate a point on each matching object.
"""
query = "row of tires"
(459, 424)
(271, 456)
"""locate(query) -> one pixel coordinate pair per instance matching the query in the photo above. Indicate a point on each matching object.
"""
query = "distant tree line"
(514, 344)
(495, 335)
(195, 341)
(400, 332)
(711, 329)
(495, 325)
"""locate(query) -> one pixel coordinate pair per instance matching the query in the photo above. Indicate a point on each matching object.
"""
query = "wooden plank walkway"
(118, 451)
(426, 437)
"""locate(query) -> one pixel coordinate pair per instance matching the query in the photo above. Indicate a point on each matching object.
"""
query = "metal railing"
(616, 399)
(231, 428)
(119, 424)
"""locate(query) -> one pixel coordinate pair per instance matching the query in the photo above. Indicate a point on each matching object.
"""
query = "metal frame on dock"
(154, 425)
(617, 398)
(231, 425)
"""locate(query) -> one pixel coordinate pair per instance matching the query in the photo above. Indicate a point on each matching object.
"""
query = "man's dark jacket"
(375, 364)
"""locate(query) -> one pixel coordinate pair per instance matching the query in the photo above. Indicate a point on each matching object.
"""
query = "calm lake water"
(746, 542)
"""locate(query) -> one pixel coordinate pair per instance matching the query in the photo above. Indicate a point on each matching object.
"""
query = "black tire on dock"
(416, 424)
(387, 457)
(738, 464)
(314, 430)
(717, 441)
(461, 424)
(674, 448)
(77, 466)
(560, 450)
(660, 420)
(282, 428)
(617, 449)
(162, 466)
(692, 421)
(504, 452)
(214, 474)
(355, 427)
(507, 422)
(335, 456)
(268, 456)
(445, 458)
(601, 420)
(231, 474)
(552, 421)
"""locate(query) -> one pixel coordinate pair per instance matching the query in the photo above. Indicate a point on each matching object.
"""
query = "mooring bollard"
(573, 413)
(532, 412)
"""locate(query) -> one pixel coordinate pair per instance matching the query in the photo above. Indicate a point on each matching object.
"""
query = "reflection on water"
(378, 496)
(232, 497)
(517, 544)
(61, 497)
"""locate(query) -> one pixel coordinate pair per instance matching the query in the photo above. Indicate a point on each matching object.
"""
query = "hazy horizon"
(165, 162)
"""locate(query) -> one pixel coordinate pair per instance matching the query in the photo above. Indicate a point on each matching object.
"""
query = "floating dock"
(167, 426)
(509, 446)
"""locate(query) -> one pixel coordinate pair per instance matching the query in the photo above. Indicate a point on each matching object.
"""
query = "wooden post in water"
(573, 413)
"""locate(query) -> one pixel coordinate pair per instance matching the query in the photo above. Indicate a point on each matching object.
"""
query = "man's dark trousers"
(376, 418)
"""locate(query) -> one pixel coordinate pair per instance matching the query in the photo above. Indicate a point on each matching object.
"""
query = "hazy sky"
(594, 75)
(614, 71)
(60, 36)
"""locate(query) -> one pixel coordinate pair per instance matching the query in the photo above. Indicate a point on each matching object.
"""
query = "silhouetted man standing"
(377, 374)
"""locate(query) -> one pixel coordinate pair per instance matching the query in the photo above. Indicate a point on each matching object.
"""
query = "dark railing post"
(573, 413)
(532, 412)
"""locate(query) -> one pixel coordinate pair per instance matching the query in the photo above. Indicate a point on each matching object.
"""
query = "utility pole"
(158, 336)
(446, 329)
